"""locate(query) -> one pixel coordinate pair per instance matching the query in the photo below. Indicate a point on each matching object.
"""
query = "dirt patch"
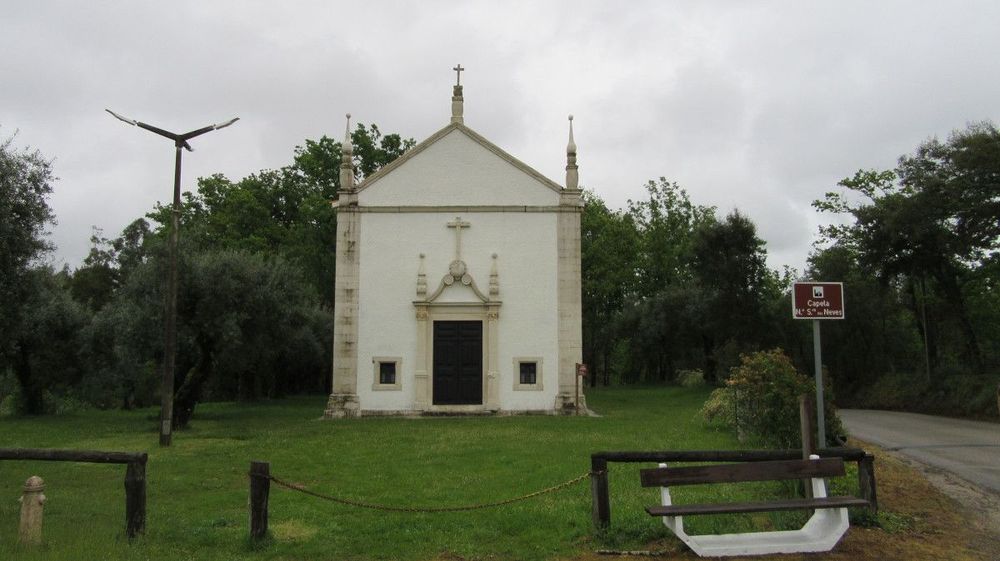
(936, 515)
(979, 507)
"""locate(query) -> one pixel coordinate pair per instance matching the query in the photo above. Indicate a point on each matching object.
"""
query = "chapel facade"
(457, 282)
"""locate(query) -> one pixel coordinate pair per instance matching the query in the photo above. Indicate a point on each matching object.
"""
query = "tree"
(609, 254)
(130, 247)
(961, 179)
(936, 218)
(667, 285)
(729, 264)
(124, 343)
(30, 306)
(249, 327)
(46, 340)
(667, 221)
(94, 283)
(660, 332)
(108, 264)
(876, 339)
(285, 211)
(255, 327)
(272, 226)
(25, 182)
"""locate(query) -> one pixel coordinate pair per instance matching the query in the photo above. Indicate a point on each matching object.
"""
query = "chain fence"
(391, 508)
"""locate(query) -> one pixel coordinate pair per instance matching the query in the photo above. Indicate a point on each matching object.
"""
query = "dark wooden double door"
(458, 363)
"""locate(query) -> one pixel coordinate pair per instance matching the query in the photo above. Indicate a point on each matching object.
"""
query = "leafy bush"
(761, 401)
(690, 378)
(63, 404)
(892, 391)
(720, 408)
(951, 392)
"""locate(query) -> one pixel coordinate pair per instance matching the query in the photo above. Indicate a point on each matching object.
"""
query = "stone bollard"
(32, 502)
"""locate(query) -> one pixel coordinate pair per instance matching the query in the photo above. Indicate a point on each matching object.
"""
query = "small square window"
(387, 373)
(529, 373)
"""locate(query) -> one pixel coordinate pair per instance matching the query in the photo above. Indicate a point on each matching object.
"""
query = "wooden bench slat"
(737, 473)
(726, 508)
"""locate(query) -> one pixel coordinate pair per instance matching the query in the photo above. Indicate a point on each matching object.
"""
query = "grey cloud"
(760, 106)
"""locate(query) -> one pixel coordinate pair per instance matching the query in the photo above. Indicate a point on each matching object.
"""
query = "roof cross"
(458, 224)
(458, 71)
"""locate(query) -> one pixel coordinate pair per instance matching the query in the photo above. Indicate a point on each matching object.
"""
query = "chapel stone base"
(339, 408)
(342, 406)
(566, 405)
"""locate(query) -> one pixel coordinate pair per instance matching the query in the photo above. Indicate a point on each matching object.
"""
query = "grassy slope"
(198, 488)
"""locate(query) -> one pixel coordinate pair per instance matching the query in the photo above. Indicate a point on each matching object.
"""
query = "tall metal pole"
(818, 358)
(170, 343)
(170, 338)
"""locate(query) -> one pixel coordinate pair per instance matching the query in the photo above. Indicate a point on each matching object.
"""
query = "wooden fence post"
(866, 482)
(806, 426)
(600, 501)
(135, 498)
(260, 490)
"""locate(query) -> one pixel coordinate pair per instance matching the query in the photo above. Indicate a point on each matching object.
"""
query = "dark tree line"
(921, 242)
(255, 296)
(670, 288)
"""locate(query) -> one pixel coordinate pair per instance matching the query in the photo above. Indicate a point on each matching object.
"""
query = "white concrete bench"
(820, 533)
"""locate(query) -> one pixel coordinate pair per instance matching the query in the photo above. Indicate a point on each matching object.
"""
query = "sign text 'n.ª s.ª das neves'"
(818, 300)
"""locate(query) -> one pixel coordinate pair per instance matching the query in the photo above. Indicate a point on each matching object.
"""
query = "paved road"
(969, 449)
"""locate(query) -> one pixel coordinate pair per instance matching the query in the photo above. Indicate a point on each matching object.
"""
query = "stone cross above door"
(458, 224)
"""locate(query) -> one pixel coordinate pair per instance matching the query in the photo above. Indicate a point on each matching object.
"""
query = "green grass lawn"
(197, 489)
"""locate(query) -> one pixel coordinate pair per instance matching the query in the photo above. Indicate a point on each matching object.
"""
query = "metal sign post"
(818, 301)
(820, 410)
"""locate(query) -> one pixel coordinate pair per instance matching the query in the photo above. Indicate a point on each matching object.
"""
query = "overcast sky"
(761, 106)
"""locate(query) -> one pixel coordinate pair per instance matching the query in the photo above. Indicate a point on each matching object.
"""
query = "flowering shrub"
(761, 401)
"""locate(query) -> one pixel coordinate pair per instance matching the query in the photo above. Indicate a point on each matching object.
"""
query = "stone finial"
(457, 101)
(348, 146)
(32, 503)
(571, 147)
(347, 159)
(572, 176)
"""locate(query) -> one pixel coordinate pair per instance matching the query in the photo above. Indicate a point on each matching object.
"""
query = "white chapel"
(457, 282)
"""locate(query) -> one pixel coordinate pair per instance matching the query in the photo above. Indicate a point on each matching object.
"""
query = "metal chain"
(388, 508)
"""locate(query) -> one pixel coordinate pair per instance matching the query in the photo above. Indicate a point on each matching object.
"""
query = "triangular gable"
(447, 166)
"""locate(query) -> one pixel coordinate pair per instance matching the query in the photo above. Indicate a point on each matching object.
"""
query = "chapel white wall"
(525, 243)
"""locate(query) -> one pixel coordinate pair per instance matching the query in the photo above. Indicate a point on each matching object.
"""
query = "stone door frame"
(427, 313)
